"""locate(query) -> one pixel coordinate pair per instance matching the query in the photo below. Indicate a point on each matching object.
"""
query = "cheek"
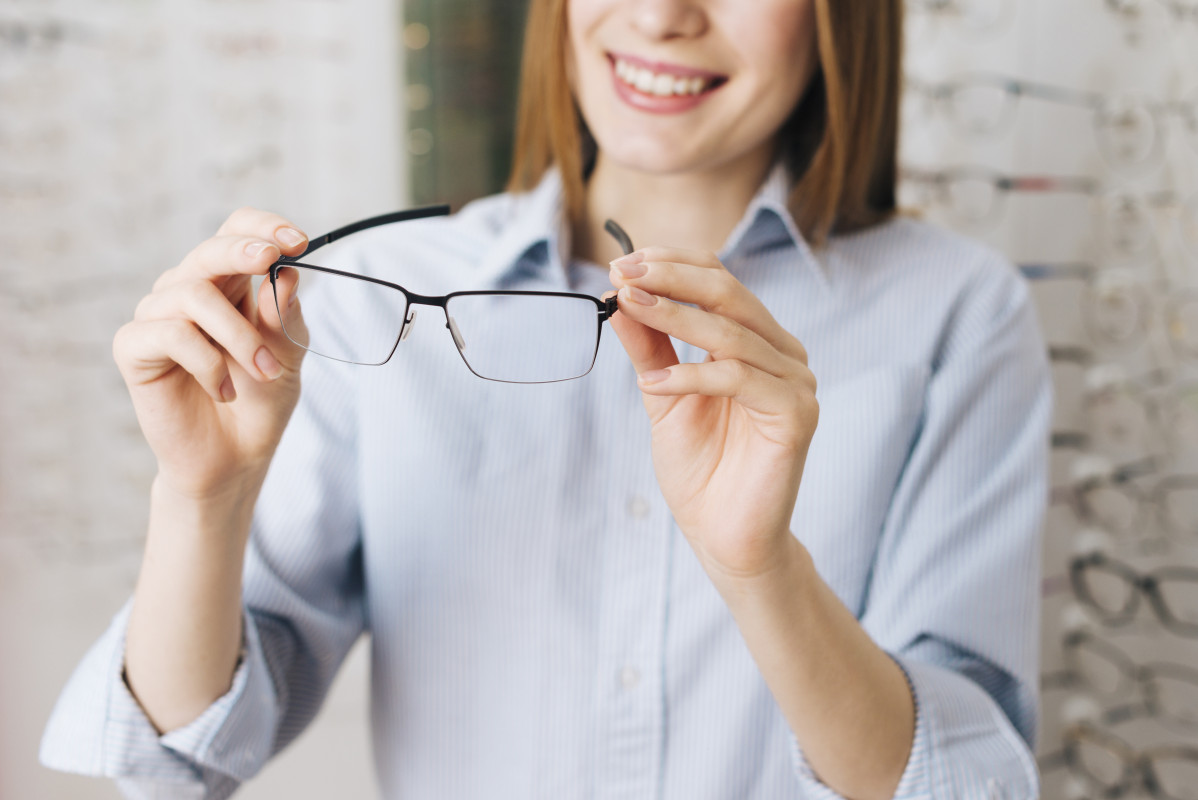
(780, 44)
(582, 18)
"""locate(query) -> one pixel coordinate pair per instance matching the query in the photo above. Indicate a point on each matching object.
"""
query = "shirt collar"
(767, 222)
(536, 221)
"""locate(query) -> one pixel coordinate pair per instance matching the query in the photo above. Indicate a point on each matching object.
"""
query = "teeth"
(659, 84)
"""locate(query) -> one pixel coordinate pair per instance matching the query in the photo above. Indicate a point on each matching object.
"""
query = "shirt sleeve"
(303, 610)
(954, 592)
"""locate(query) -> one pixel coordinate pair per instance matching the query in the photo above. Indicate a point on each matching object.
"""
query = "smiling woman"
(684, 575)
(841, 137)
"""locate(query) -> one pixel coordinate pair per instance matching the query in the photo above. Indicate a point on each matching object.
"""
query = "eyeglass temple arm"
(611, 305)
(383, 219)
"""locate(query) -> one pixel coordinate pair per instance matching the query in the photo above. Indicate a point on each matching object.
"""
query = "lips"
(661, 87)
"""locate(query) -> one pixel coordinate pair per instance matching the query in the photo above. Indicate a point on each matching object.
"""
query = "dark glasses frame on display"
(604, 308)
(1108, 764)
(1096, 665)
(1153, 584)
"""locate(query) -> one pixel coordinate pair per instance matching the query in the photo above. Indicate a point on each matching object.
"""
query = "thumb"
(281, 334)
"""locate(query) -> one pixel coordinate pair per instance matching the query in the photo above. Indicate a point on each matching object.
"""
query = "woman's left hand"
(730, 435)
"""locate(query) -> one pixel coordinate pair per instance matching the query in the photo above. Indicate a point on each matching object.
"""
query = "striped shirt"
(539, 627)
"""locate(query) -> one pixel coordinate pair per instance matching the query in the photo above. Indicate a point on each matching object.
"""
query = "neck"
(693, 210)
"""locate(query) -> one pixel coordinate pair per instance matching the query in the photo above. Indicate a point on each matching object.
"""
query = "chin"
(652, 158)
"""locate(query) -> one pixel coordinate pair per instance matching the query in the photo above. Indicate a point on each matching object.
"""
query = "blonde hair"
(840, 142)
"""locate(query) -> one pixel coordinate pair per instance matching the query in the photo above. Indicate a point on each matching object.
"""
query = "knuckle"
(242, 213)
(179, 333)
(734, 331)
(201, 293)
(239, 218)
(738, 372)
(164, 279)
(807, 408)
(800, 351)
(142, 310)
(120, 342)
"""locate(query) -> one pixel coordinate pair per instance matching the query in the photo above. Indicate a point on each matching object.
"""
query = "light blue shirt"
(540, 628)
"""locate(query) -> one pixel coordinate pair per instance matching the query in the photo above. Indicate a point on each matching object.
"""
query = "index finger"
(222, 257)
(712, 288)
(232, 250)
(699, 258)
(265, 225)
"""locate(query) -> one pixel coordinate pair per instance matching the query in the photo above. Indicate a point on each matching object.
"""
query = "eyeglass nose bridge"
(439, 302)
(407, 325)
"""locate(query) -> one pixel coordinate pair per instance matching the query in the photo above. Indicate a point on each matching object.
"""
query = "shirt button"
(638, 507)
(629, 677)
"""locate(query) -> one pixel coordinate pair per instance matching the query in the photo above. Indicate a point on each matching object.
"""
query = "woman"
(567, 595)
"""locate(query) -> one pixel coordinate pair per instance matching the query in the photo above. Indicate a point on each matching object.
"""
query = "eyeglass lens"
(366, 330)
(506, 337)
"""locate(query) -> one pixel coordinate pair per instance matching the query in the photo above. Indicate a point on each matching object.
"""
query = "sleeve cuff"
(964, 746)
(98, 728)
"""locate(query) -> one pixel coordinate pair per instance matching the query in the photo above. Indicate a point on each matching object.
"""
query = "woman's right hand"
(213, 377)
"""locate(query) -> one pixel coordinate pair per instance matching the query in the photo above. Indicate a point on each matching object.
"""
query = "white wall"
(128, 131)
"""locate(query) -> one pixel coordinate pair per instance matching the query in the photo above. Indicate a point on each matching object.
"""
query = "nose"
(668, 19)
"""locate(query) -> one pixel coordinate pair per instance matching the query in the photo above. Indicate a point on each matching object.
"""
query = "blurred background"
(1064, 133)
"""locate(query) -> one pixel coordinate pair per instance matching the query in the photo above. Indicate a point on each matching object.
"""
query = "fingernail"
(290, 237)
(254, 248)
(654, 376)
(227, 392)
(293, 298)
(632, 258)
(632, 270)
(266, 362)
(638, 296)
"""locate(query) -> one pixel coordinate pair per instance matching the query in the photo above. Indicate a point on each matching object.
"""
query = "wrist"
(788, 568)
(212, 513)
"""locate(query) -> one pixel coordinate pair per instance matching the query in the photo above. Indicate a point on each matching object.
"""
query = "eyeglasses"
(505, 336)
(1109, 765)
(1167, 692)
(974, 16)
(1180, 10)
(974, 196)
(1129, 129)
(1130, 415)
(1101, 494)
(1130, 223)
(1120, 307)
(1111, 590)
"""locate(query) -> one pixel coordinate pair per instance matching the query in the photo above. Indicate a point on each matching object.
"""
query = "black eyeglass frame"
(1147, 584)
(604, 308)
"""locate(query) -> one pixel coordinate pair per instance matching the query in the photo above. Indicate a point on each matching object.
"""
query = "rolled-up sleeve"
(954, 590)
(303, 610)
